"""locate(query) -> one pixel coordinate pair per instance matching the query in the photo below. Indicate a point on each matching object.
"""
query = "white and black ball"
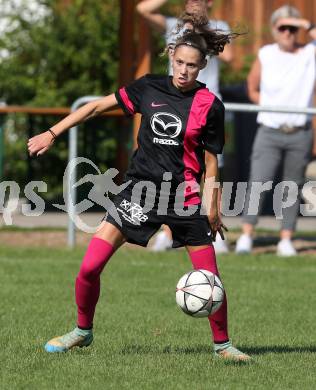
(199, 293)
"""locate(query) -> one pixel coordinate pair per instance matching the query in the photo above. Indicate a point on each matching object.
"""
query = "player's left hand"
(217, 226)
(39, 144)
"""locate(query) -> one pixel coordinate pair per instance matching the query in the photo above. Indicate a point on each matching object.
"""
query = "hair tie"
(191, 44)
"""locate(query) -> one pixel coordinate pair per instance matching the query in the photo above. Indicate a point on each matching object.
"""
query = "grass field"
(142, 340)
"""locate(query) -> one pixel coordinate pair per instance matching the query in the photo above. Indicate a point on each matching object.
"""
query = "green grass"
(142, 340)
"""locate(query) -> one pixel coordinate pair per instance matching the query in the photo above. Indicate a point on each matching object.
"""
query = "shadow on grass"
(265, 241)
(168, 349)
(262, 350)
(135, 349)
(268, 243)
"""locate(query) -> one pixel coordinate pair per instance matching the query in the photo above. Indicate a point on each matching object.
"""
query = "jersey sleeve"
(129, 98)
(214, 132)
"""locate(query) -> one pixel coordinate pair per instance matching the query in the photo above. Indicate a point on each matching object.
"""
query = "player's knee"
(88, 273)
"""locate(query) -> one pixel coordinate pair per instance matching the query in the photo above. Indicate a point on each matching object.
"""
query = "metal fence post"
(2, 118)
(71, 190)
(1, 146)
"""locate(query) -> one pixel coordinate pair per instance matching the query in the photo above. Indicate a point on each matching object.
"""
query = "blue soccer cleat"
(75, 338)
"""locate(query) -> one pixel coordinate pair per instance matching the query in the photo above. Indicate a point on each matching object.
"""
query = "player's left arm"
(211, 179)
(214, 140)
(212, 186)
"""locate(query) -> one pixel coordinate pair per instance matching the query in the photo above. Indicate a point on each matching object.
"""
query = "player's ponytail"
(197, 34)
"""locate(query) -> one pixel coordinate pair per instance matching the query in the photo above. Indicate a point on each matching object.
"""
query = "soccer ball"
(199, 293)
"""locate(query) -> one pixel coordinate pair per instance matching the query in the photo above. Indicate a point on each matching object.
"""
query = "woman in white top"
(282, 75)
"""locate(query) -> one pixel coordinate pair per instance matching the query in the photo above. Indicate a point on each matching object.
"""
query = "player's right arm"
(148, 9)
(41, 143)
(253, 82)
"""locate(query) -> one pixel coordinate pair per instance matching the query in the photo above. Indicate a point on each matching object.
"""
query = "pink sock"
(206, 259)
(88, 280)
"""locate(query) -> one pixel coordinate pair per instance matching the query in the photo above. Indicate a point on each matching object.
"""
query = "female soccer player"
(180, 135)
(171, 27)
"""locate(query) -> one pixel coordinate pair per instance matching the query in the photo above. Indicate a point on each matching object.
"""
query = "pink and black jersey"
(175, 129)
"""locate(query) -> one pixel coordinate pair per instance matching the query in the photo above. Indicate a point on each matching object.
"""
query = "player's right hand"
(39, 144)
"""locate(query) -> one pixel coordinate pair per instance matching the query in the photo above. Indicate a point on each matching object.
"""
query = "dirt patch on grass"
(40, 238)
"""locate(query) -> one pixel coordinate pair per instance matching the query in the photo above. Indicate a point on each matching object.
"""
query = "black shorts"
(138, 225)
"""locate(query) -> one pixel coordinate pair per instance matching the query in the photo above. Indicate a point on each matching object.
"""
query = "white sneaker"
(162, 243)
(244, 244)
(286, 248)
(220, 246)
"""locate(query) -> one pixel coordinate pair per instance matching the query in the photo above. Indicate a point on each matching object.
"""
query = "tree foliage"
(50, 60)
(69, 52)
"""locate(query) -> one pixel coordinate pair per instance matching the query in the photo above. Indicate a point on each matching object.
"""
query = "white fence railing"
(73, 152)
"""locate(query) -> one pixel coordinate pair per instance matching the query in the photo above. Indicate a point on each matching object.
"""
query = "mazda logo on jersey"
(166, 125)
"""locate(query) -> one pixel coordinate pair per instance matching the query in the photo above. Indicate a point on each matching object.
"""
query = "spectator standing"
(282, 75)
